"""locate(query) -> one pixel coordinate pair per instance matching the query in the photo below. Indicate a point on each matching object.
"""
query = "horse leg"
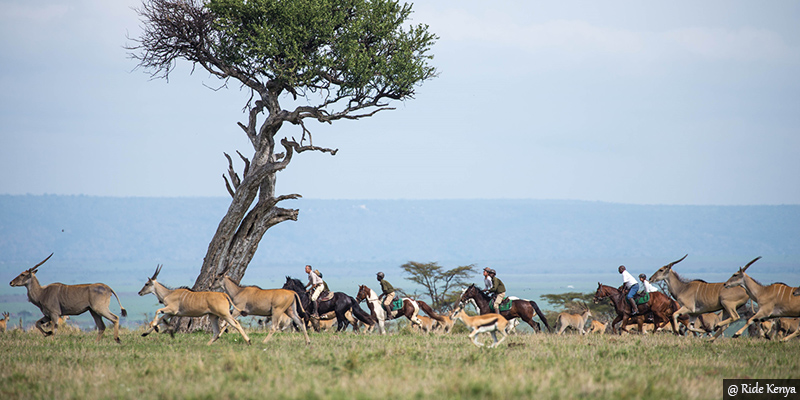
(528, 318)
(341, 319)
(414, 312)
(617, 319)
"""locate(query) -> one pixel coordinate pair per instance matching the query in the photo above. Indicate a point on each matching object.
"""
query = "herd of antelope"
(704, 308)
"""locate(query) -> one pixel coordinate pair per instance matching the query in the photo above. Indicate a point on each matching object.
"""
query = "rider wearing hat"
(317, 285)
(388, 293)
(498, 289)
(487, 280)
(646, 286)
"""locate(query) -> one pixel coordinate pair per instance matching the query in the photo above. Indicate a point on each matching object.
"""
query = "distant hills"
(537, 246)
(81, 228)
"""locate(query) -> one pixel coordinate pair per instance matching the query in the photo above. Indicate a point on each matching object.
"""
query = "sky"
(679, 102)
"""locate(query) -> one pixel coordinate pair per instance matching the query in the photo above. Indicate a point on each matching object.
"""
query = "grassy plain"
(401, 365)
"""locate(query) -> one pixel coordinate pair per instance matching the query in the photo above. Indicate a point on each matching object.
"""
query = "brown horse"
(410, 308)
(524, 309)
(659, 304)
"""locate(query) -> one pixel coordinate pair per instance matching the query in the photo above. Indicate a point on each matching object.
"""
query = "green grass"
(401, 365)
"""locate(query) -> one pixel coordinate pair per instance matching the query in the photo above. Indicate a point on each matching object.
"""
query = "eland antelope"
(484, 323)
(575, 321)
(700, 297)
(774, 301)
(184, 302)
(252, 300)
(57, 299)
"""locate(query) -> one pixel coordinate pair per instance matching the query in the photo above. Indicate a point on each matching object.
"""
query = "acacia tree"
(329, 59)
(439, 284)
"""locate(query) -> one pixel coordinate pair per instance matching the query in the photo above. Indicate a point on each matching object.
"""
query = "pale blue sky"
(669, 103)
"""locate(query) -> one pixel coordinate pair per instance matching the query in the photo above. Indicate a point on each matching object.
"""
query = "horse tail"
(428, 310)
(360, 314)
(541, 315)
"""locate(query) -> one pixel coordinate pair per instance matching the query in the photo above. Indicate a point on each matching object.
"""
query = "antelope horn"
(750, 263)
(158, 269)
(33, 269)
(675, 262)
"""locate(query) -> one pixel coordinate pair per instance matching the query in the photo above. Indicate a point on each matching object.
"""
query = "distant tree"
(440, 285)
(331, 59)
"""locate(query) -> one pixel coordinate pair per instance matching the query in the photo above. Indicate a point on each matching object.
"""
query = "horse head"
(293, 284)
(602, 292)
(363, 293)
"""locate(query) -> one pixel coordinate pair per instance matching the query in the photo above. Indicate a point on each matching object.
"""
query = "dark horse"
(524, 309)
(659, 305)
(339, 304)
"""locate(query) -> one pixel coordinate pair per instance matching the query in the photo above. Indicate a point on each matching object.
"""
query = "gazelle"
(774, 301)
(58, 299)
(576, 321)
(187, 303)
(4, 322)
(485, 323)
(699, 297)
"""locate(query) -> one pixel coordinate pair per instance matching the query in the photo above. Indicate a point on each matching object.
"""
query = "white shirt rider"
(628, 280)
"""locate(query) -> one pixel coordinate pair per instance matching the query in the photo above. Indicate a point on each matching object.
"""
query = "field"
(401, 365)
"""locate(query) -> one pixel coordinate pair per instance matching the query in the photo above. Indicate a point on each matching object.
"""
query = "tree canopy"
(333, 59)
(442, 286)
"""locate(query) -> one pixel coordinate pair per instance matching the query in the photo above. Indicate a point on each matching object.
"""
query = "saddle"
(325, 296)
(504, 306)
(641, 299)
(638, 298)
(397, 304)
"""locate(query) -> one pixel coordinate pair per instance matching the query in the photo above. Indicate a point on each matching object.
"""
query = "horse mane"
(484, 295)
(294, 281)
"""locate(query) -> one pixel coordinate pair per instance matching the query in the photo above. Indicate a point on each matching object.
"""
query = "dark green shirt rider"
(386, 287)
(497, 286)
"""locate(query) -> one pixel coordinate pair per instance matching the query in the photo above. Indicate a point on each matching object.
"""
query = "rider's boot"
(634, 307)
(314, 308)
(388, 309)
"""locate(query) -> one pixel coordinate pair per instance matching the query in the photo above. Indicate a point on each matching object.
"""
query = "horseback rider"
(498, 289)
(629, 283)
(388, 294)
(648, 288)
(325, 288)
(487, 280)
(317, 286)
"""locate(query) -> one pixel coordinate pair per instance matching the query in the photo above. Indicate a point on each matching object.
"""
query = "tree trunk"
(240, 231)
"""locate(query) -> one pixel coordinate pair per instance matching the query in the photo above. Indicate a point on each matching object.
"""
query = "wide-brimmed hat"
(319, 274)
